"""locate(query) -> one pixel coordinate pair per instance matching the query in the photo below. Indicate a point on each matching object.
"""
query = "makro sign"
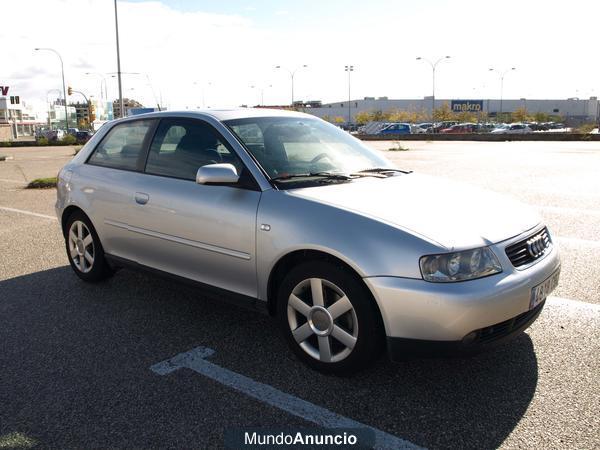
(3, 90)
(466, 106)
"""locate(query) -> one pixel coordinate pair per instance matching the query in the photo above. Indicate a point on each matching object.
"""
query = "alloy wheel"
(322, 320)
(81, 246)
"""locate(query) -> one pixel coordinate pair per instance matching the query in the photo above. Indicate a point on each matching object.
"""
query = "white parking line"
(575, 304)
(576, 211)
(577, 241)
(196, 360)
(29, 213)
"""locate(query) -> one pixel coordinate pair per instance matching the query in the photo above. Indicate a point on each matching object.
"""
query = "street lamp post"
(433, 67)
(156, 100)
(349, 69)
(292, 74)
(203, 87)
(62, 69)
(103, 93)
(262, 93)
(121, 104)
(502, 75)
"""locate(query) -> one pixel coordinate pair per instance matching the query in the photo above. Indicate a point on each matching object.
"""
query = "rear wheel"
(84, 249)
(329, 318)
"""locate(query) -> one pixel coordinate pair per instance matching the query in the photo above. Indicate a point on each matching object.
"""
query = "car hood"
(453, 215)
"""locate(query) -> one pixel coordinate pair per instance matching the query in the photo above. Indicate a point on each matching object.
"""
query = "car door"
(202, 232)
(108, 180)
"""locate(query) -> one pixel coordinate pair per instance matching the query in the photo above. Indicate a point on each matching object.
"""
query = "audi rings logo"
(536, 246)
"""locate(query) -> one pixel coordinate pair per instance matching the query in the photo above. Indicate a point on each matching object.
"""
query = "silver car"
(286, 212)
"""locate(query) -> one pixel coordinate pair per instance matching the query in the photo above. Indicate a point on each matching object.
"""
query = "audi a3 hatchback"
(287, 212)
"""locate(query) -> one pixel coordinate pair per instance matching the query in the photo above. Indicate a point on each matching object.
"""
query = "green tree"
(379, 116)
(363, 117)
(465, 116)
(521, 115)
(443, 113)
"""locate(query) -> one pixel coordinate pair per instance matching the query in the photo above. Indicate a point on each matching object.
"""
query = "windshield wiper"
(383, 170)
(327, 175)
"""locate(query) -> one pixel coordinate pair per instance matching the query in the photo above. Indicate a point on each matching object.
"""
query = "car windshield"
(287, 146)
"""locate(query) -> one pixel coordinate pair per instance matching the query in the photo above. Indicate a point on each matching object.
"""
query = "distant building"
(83, 112)
(128, 104)
(573, 110)
(56, 115)
(16, 119)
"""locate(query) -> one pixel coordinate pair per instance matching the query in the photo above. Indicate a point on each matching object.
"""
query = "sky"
(206, 53)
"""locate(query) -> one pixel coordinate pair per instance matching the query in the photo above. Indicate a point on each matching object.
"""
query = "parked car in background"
(460, 128)
(83, 135)
(486, 127)
(427, 127)
(51, 135)
(437, 127)
(285, 211)
(396, 128)
(513, 128)
(417, 129)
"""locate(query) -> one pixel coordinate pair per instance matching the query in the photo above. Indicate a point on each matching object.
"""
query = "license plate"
(542, 290)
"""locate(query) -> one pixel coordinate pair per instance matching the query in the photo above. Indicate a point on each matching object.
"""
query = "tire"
(84, 249)
(318, 334)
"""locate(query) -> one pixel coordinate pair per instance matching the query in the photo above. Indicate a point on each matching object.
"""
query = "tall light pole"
(203, 86)
(349, 69)
(62, 69)
(433, 66)
(104, 94)
(156, 100)
(262, 92)
(502, 75)
(121, 104)
(292, 74)
(121, 100)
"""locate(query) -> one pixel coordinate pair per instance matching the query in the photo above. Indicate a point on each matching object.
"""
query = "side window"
(181, 147)
(121, 147)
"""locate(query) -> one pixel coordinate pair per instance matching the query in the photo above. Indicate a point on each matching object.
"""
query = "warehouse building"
(573, 111)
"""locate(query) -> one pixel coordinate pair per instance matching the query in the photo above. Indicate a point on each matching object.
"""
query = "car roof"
(224, 114)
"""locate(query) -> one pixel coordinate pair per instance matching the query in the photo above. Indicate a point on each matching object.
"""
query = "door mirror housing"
(217, 173)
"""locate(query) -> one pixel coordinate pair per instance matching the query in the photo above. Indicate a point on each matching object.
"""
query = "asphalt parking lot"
(76, 359)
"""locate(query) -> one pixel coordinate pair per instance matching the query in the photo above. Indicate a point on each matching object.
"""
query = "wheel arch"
(68, 212)
(292, 259)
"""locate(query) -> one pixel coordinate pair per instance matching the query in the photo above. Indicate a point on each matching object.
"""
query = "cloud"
(176, 48)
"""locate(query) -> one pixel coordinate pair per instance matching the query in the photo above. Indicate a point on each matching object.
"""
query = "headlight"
(460, 266)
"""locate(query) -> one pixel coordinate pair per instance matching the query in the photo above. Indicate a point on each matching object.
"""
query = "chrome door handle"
(141, 198)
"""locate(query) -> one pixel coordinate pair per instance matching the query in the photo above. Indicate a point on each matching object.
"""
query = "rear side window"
(122, 146)
(181, 146)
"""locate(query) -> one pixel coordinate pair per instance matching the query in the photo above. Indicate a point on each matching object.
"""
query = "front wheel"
(84, 249)
(329, 318)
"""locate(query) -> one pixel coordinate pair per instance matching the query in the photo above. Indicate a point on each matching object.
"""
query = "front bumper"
(447, 312)
(472, 343)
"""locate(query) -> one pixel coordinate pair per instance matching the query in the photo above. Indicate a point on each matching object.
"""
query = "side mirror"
(217, 173)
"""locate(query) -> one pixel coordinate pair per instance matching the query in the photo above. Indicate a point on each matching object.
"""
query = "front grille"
(492, 333)
(530, 249)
